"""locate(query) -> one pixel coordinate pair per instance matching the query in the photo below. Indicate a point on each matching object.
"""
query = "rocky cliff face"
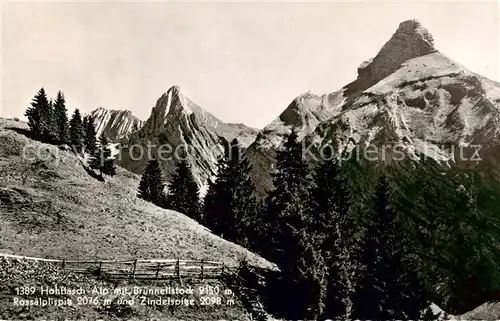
(409, 99)
(115, 124)
(179, 128)
(410, 40)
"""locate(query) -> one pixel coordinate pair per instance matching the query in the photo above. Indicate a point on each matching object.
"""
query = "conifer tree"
(34, 113)
(289, 202)
(152, 187)
(76, 132)
(229, 207)
(387, 288)
(101, 159)
(218, 215)
(183, 193)
(290, 244)
(90, 135)
(332, 222)
(47, 123)
(85, 123)
(61, 119)
(441, 243)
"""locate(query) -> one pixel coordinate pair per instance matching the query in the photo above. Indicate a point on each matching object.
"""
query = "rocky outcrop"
(115, 124)
(410, 40)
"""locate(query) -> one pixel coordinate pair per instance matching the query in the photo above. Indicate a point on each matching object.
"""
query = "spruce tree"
(289, 202)
(90, 135)
(76, 132)
(230, 207)
(61, 119)
(152, 187)
(36, 120)
(183, 193)
(85, 123)
(47, 123)
(248, 213)
(388, 287)
(290, 244)
(101, 159)
(218, 215)
(334, 226)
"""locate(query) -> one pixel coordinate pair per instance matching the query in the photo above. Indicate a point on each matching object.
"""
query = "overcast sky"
(244, 62)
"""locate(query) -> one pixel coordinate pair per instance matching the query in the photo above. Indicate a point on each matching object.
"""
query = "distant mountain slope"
(115, 124)
(409, 95)
(176, 124)
(50, 207)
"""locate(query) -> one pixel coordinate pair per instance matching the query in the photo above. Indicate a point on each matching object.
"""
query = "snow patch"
(115, 149)
(169, 102)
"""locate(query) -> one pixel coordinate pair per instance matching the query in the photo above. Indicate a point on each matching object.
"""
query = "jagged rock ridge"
(115, 124)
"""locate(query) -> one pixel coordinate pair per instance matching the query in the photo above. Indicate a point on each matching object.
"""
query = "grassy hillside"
(51, 207)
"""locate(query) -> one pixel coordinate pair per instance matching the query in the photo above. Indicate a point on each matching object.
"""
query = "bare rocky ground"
(50, 207)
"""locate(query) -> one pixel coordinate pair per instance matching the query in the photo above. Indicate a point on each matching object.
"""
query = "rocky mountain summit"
(409, 96)
(176, 126)
(410, 40)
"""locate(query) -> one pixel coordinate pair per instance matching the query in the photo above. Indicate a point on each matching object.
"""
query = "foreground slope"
(50, 207)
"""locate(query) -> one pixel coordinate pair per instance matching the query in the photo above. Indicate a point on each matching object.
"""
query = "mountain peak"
(174, 89)
(410, 40)
(412, 26)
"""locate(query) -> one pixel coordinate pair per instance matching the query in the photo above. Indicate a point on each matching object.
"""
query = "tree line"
(49, 123)
(355, 241)
(229, 206)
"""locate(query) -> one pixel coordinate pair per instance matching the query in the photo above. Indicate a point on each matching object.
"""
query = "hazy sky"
(244, 62)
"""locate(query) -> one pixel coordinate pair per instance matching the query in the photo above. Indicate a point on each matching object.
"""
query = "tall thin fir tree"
(102, 160)
(333, 225)
(216, 212)
(387, 289)
(61, 119)
(47, 123)
(90, 136)
(248, 214)
(289, 202)
(34, 113)
(76, 132)
(183, 193)
(290, 247)
(230, 207)
(85, 123)
(152, 186)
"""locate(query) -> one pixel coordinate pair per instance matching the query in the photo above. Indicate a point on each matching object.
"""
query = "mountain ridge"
(409, 95)
(115, 124)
